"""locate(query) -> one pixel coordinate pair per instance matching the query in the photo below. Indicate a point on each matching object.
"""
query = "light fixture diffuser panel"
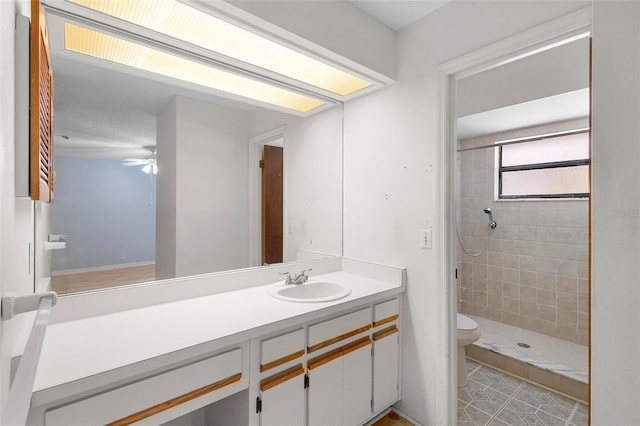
(185, 23)
(108, 47)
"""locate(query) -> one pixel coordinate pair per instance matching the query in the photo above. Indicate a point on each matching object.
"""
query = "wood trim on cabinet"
(282, 377)
(337, 339)
(163, 406)
(386, 332)
(337, 353)
(385, 320)
(41, 173)
(281, 361)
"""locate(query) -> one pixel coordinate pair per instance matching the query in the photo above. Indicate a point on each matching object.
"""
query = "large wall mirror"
(157, 179)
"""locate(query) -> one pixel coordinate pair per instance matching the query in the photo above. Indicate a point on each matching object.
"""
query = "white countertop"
(76, 350)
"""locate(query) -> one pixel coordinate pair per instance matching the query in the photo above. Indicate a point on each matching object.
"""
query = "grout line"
(513, 395)
(573, 413)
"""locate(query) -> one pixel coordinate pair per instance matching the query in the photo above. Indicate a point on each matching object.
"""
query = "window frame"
(539, 166)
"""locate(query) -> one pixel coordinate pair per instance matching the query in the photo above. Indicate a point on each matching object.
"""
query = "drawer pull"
(282, 377)
(337, 353)
(385, 320)
(386, 332)
(338, 338)
(176, 401)
(281, 361)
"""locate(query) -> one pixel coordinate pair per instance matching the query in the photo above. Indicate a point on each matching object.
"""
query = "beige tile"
(466, 295)
(479, 310)
(583, 321)
(545, 233)
(529, 248)
(529, 218)
(546, 249)
(494, 273)
(569, 334)
(511, 246)
(479, 271)
(528, 278)
(583, 287)
(547, 218)
(567, 284)
(493, 313)
(511, 290)
(510, 276)
(480, 284)
(547, 313)
(568, 268)
(583, 270)
(466, 307)
(567, 251)
(511, 305)
(567, 318)
(571, 387)
(528, 309)
(567, 301)
(481, 259)
(546, 281)
(494, 287)
(511, 232)
(546, 327)
(494, 301)
(583, 303)
(518, 368)
(546, 297)
(583, 337)
(528, 263)
(511, 261)
(494, 258)
(528, 294)
(527, 322)
(480, 298)
(547, 266)
(541, 376)
(510, 318)
(528, 233)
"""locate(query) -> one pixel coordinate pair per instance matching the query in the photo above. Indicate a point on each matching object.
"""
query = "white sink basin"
(311, 291)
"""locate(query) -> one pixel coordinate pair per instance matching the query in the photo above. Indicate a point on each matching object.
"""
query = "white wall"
(313, 181)
(16, 214)
(560, 70)
(211, 187)
(615, 376)
(391, 172)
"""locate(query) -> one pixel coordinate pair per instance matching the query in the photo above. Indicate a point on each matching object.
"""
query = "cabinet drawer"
(280, 349)
(334, 330)
(153, 395)
(386, 312)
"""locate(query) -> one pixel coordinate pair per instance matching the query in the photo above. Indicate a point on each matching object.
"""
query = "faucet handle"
(305, 270)
(288, 279)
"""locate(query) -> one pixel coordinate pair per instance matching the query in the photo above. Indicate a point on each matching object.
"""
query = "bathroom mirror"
(202, 212)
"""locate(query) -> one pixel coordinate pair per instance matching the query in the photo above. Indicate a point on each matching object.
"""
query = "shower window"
(550, 166)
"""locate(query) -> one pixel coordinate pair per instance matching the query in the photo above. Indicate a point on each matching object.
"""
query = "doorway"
(272, 166)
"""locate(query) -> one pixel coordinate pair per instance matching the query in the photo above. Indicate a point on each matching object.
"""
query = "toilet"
(467, 334)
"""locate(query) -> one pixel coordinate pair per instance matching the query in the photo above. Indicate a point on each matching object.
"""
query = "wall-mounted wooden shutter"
(41, 105)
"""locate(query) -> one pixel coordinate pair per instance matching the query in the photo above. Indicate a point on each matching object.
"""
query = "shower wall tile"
(534, 273)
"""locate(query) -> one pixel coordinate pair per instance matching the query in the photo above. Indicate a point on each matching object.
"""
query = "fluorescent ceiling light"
(185, 23)
(100, 45)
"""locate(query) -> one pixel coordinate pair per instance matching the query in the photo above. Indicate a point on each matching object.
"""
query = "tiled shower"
(534, 273)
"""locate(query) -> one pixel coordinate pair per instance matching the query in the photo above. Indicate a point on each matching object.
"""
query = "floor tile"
(498, 399)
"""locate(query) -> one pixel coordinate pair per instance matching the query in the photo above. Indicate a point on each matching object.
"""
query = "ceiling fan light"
(183, 22)
(147, 168)
(107, 47)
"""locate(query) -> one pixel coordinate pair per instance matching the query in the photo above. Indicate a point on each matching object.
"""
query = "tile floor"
(497, 399)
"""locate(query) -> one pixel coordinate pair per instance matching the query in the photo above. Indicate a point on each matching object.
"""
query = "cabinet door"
(325, 394)
(385, 369)
(356, 385)
(283, 403)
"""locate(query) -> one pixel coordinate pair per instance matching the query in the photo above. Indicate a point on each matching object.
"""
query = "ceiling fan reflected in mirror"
(149, 165)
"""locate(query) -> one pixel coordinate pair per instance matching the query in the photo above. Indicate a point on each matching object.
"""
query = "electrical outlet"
(426, 239)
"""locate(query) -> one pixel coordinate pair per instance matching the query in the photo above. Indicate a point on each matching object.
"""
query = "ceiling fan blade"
(134, 162)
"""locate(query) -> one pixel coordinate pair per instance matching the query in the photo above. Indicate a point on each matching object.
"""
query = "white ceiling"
(398, 14)
(565, 106)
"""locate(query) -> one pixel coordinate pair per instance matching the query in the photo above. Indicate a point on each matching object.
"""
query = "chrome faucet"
(298, 279)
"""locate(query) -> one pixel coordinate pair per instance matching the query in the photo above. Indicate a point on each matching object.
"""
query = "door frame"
(567, 28)
(274, 137)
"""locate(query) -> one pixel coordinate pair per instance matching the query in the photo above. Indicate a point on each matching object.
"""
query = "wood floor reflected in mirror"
(96, 280)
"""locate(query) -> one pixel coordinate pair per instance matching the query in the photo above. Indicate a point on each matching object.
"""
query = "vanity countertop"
(77, 350)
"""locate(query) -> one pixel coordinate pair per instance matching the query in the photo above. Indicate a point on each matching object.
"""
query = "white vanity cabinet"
(161, 397)
(339, 388)
(281, 383)
(386, 350)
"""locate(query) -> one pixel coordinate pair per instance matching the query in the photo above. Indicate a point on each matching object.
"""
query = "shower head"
(492, 223)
